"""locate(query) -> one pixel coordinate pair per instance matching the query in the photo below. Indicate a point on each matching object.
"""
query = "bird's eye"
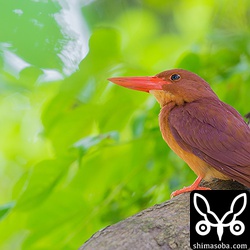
(175, 77)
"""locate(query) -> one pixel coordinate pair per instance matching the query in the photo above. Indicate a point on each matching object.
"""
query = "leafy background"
(78, 153)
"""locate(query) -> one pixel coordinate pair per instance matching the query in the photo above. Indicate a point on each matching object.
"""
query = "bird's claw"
(187, 189)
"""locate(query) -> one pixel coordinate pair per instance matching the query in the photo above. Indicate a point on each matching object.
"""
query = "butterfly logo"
(203, 227)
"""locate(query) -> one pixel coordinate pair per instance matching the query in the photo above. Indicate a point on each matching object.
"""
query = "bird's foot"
(187, 189)
(194, 186)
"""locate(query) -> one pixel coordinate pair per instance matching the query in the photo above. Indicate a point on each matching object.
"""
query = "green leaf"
(5, 209)
(33, 32)
(81, 152)
(190, 61)
(88, 142)
(42, 180)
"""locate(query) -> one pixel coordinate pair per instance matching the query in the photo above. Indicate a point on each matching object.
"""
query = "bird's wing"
(216, 133)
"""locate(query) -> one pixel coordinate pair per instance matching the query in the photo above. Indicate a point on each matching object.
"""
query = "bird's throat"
(163, 97)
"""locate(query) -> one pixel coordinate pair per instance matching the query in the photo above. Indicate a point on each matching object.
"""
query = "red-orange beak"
(146, 83)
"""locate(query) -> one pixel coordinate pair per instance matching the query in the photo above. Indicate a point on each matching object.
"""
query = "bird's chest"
(195, 163)
(167, 134)
(169, 138)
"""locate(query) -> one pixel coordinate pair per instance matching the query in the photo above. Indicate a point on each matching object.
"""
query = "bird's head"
(175, 85)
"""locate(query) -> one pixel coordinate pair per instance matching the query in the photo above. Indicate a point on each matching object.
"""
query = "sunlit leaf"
(86, 143)
(5, 209)
(42, 180)
(78, 152)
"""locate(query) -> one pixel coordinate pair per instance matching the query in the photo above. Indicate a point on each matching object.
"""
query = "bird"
(247, 116)
(208, 134)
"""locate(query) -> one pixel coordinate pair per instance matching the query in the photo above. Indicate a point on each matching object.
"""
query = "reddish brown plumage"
(248, 118)
(208, 134)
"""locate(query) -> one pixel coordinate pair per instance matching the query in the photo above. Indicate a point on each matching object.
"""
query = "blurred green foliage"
(78, 153)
